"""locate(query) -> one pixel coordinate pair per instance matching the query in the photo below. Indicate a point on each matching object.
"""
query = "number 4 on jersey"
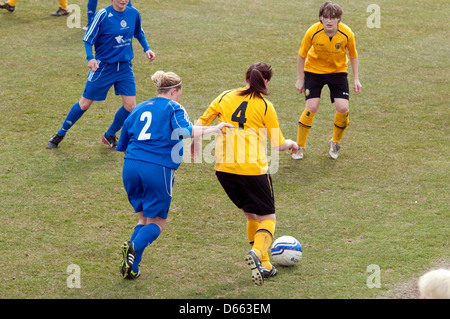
(239, 115)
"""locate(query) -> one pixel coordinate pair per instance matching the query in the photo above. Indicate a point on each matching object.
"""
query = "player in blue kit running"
(111, 33)
(151, 138)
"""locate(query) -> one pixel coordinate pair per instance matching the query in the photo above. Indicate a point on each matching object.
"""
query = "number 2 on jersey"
(146, 116)
(239, 115)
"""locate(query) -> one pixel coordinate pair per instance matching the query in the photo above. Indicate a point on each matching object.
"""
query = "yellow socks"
(268, 227)
(341, 122)
(63, 4)
(304, 125)
(252, 227)
(263, 239)
(12, 3)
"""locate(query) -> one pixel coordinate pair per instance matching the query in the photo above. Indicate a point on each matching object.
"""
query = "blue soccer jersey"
(153, 132)
(111, 32)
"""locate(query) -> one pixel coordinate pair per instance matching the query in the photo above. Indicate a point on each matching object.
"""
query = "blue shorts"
(119, 74)
(149, 187)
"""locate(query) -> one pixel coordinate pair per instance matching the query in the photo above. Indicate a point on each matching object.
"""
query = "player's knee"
(85, 103)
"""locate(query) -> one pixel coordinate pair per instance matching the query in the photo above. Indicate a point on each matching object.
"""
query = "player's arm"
(277, 139)
(301, 59)
(90, 38)
(92, 62)
(204, 130)
(353, 55)
(300, 84)
(356, 84)
(139, 34)
(288, 145)
(211, 113)
(124, 138)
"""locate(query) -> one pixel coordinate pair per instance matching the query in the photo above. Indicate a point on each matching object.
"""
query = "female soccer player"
(152, 139)
(111, 32)
(322, 60)
(241, 163)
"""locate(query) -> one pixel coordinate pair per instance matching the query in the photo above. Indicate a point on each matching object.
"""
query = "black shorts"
(337, 83)
(252, 193)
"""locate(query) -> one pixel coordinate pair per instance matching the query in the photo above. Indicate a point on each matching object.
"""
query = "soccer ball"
(286, 251)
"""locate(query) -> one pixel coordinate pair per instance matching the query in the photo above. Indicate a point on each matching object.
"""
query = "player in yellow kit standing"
(322, 60)
(241, 163)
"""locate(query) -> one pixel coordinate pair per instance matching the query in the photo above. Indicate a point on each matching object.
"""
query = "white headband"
(170, 87)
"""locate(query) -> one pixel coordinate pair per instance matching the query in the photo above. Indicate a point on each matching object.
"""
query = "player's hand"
(293, 147)
(151, 56)
(221, 125)
(357, 86)
(300, 86)
(93, 65)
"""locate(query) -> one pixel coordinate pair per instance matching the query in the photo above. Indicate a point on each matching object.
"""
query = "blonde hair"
(435, 284)
(165, 81)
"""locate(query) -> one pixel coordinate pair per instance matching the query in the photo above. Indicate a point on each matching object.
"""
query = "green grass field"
(383, 202)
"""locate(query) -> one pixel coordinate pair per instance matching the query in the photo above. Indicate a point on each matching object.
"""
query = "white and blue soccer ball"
(286, 251)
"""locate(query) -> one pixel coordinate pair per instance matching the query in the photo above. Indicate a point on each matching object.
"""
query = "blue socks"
(119, 118)
(74, 115)
(136, 231)
(143, 236)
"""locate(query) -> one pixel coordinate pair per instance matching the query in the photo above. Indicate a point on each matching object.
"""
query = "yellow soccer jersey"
(243, 149)
(324, 55)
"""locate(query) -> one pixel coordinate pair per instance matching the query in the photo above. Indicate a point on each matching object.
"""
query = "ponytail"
(256, 76)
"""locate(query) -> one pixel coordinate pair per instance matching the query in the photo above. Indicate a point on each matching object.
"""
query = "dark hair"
(256, 75)
(330, 9)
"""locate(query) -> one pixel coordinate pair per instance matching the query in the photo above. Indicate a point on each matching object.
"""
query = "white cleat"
(299, 154)
(334, 149)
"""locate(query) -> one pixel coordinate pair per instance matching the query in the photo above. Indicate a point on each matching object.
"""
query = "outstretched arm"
(288, 145)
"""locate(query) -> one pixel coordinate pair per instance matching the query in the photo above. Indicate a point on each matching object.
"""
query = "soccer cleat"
(299, 154)
(111, 141)
(7, 6)
(255, 265)
(60, 12)
(133, 275)
(334, 149)
(269, 273)
(128, 256)
(54, 141)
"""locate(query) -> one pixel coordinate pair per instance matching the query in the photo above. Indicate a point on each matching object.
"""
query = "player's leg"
(339, 93)
(258, 257)
(149, 231)
(260, 206)
(341, 122)
(148, 188)
(109, 138)
(126, 87)
(62, 10)
(97, 86)
(341, 119)
(9, 5)
(313, 88)
(91, 9)
(75, 113)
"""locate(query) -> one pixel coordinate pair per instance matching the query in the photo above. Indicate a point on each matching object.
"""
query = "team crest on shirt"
(123, 24)
(337, 46)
